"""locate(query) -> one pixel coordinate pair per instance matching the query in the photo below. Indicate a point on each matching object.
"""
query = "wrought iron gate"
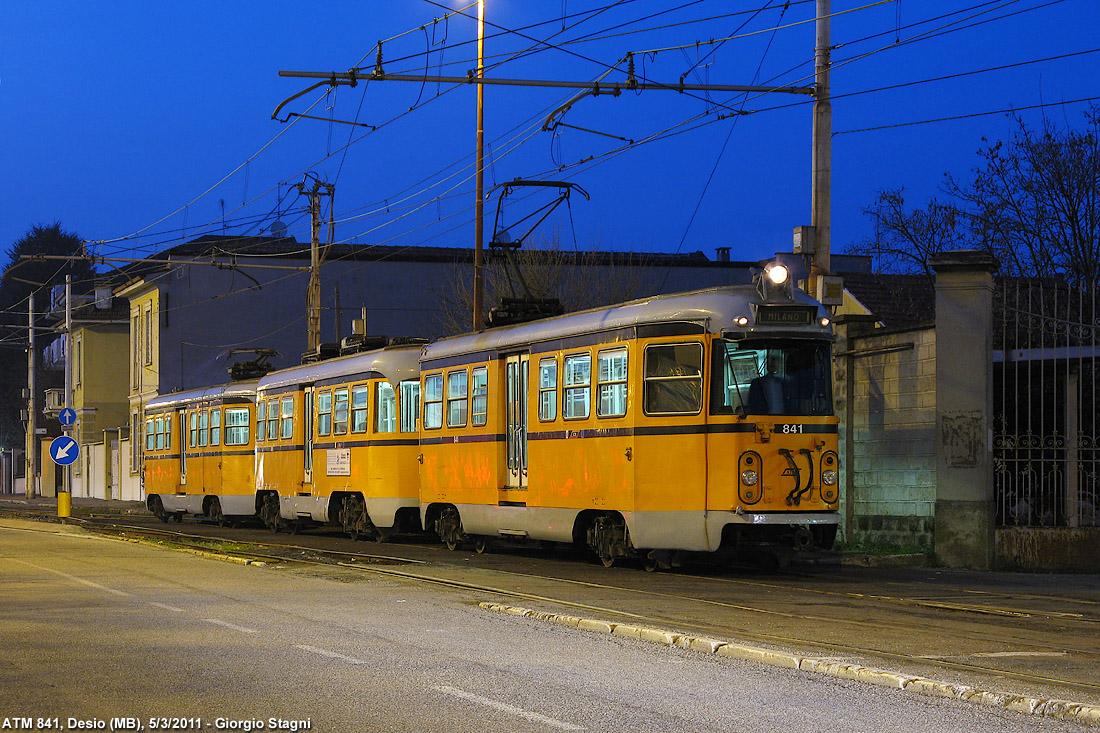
(1046, 346)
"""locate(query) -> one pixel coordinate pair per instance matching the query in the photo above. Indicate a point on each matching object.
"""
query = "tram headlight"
(829, 478)
(824, 322)
(749, 477)
(777, 273)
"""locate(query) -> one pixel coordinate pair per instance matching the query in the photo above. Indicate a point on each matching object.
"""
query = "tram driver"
(768, 392)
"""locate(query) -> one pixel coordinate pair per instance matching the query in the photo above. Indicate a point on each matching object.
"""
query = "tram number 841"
(789, 428)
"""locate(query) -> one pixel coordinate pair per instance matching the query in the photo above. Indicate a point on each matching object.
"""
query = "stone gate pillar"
(964, 534)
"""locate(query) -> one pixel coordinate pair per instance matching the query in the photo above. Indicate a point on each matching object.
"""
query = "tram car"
(668, 425)
(336, 442)
(199, 453)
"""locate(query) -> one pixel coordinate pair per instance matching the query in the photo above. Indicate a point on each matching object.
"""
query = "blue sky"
(119, 119)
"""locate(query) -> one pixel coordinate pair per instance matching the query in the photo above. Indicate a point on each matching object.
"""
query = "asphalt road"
(93, 629)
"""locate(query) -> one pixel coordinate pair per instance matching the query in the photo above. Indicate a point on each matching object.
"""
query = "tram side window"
(287, 418)
(340, 412)
(385, 408)
(611, 383)
(194, 429)
(433, 401)
(168, 432)
(216, 427)
(548, 389)
(204, 428)
(150, 437)
(457, 399)
(236, 426)
(160, 432)
(359, 409)
(261, 423)
(324, 413)
(480, 392)
(272, 419)
(410, 406)
(673, 379)
(576, 401)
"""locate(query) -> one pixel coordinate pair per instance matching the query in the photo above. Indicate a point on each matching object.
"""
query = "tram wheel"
(269, 512)
(157, 507)
(481, 544)
(449, 528)
(177, 517)
(216, 515)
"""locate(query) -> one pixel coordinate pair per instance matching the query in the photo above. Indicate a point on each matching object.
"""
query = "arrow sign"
(67, 416)
(64, 450)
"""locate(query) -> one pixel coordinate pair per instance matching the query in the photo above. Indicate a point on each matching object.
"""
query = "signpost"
(64, 451)
(67, 416)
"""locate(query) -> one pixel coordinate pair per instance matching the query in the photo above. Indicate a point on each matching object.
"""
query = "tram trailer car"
(336, 442)
(674, 424)
(199, 453)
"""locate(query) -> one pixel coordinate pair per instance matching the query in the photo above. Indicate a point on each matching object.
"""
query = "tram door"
(516, 376)
(182, 421)
(307, 434)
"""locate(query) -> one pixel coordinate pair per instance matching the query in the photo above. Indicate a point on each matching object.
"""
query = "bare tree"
(1033, 201)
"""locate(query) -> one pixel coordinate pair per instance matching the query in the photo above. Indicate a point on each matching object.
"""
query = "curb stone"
(1061, 709)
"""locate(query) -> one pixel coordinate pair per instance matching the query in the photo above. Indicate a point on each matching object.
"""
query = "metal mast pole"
(313, 295)
(823, 143)
(479, 175)
(28, 482)
(69, 353)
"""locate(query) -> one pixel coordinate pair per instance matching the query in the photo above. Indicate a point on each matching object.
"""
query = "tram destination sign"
(784, 315)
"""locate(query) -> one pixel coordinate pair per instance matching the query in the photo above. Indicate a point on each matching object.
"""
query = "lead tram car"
(685, 423)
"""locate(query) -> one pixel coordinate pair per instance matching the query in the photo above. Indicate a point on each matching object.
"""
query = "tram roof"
(714, 309)
(244, 389)
(395, 363)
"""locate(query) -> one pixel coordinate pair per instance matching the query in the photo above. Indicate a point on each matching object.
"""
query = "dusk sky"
(139, 125)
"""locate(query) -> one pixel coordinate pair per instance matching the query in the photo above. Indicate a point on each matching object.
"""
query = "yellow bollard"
(64, 504)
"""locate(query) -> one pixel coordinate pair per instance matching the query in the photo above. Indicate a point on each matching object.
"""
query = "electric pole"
(313, 293)
(479, 174)
(28, 482)
(823, 145)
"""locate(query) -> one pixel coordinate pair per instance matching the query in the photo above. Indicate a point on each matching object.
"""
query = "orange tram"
(687, 423)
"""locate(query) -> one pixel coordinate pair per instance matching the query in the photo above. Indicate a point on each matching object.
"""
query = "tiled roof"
(899, 301)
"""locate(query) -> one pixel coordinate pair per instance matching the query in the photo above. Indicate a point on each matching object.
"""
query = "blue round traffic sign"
(67, 416)
(64, 450)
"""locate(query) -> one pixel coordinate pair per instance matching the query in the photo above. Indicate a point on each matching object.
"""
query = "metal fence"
(1046, 344)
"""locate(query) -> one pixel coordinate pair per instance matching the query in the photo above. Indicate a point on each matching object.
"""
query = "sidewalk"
(81, 506)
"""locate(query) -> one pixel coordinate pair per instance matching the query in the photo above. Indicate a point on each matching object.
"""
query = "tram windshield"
(771, 377)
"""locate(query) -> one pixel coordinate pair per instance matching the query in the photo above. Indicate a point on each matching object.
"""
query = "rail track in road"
(775, 610)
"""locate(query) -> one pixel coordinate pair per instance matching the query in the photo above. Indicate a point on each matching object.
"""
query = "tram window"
(457, 398)
(204, 428)
(161, 432)
(433, 401)
(385, 408)
(324, 413)
(287, 418)
(168, 432)
(576, 402)
(272, 419)
(548, 389)
(673, 379)
(236, 426)
(480, 392)
(340, 411)
(611, 383)
(261, 423)
(410, 406)
(359, 409)
(150, 437)
(772, 377)
(216, 427)
(194, 430)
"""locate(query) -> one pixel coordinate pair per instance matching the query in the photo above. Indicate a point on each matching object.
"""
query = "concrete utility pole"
(823, 145)
(28, 482)
(313, 293)
(479, 175)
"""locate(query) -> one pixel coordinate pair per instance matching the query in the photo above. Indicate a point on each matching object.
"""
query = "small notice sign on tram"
(338, 462)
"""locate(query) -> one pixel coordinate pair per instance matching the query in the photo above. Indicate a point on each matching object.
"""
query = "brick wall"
(886, 399)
